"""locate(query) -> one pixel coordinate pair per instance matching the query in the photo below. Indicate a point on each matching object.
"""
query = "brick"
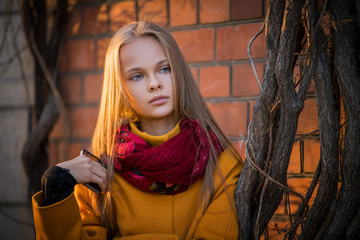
(62, 150)
(312, 86)
(246, 9)
(308, 119)
(296, 75)
(300, 185)
(232, 42)
(231, 117)
(311, 155)
(92, 87)
(281, 208)
(71, 89)
(53, 151)
(244, 80)
(214, 11)
(95, 19)
(56, 152)
(240, 147)
(83, 121)
(196, 45)
(214, 81)
(121, 13)
(294, 163)
(78, 55)
(194, 72)
(58, 131)
(278, 229)
(51, 3)
(75, 24)
(101, 45)
(153, 10)
(74, 149)
(183, 12)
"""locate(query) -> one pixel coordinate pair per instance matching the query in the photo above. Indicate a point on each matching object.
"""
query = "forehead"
(142, 52)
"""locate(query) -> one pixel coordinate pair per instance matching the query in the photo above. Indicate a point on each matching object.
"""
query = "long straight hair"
(115, 109)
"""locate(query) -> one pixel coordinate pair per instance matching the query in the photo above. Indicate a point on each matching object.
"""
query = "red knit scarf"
(169, 168)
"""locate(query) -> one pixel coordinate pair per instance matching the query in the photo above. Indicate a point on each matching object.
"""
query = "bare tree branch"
(34, 153)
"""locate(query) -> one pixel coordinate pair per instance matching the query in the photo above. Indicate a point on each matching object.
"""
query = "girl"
(170, 171)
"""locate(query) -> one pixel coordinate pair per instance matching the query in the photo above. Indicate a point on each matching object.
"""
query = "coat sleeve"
(71, 218)
(219, 221)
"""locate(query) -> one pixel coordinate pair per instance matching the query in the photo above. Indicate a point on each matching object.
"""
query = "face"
(147, 79)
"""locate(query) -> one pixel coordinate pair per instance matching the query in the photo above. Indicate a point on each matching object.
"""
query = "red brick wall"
(213, 36)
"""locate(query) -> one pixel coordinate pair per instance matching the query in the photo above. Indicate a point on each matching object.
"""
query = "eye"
(165, 69)
(136, 77)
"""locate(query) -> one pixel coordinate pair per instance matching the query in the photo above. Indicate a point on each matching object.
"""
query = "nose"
(154, 83)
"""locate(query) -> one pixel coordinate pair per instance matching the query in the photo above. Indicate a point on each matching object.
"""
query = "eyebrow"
(137, 68)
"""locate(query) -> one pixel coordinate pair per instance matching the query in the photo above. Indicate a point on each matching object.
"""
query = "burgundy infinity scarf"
(169, 168)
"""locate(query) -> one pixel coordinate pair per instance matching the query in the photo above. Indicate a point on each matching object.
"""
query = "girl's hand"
(85, 170)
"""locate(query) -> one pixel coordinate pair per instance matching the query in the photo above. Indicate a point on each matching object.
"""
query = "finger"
(99, 171)
(100, 181)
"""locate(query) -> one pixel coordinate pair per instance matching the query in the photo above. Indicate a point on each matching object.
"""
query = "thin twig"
(313, 132)
(307, 54)
(58, 100)
(292, 231)
(280, 185)
(257, 225)
(306, 135)
(5, 65)
(270, 126)
(268, 169)
(318, 23)
(250, 58)
(22, 72)
(9, 5)
(289, 206)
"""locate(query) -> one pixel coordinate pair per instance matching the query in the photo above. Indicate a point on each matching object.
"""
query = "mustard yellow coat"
(146, 216)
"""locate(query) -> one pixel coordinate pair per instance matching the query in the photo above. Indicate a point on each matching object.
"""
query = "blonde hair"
(115, 108)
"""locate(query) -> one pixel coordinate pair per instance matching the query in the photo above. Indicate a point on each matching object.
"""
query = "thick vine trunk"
(347, 69)
(258, 130)
(281, 49)
(273, 128)
(328, 115)
(291, 105)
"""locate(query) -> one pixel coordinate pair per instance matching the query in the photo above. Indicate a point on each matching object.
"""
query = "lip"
(158, 100)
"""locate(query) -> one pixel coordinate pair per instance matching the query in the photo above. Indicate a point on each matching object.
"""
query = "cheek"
(134, 100)
(167, 80)
(131, 95)
(131, 91)
(135, 105)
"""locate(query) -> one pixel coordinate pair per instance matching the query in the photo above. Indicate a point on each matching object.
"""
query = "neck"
(157, 127)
